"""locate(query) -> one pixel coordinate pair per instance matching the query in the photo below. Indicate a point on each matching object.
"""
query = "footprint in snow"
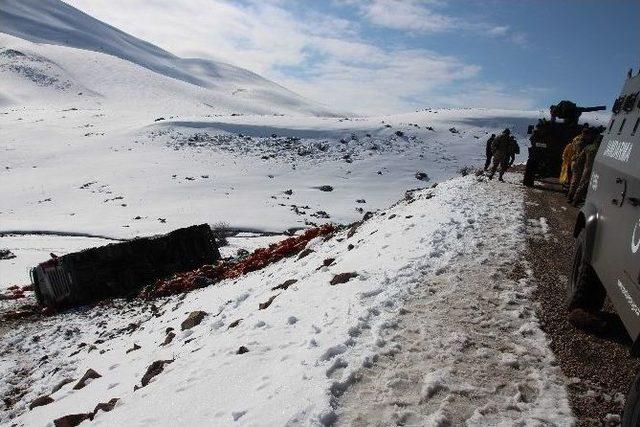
(237, 415)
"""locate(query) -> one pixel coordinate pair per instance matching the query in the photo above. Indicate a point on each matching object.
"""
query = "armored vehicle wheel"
(529, 173)
(631, 415)
(584, 289)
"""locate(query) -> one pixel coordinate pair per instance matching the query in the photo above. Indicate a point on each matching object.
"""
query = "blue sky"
(388, 56)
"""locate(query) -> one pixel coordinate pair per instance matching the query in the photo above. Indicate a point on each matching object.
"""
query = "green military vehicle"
(549, 138)
(607, 230)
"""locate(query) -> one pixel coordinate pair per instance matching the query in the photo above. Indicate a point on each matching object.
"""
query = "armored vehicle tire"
(631, 415)
(584, 289)
(528, 173)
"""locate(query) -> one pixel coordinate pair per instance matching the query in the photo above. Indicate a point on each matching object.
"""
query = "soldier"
(515, 149)
(583, 186)
(488, 151)
(565, 171)
(569, 151)
(502, 149)
(578, 162)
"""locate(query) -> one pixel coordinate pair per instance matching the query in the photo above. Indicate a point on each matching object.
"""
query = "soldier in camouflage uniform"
(578, 162)
(590, 153)
(489, 151)
(502, 148)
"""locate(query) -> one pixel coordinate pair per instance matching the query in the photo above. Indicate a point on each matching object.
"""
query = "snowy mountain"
(53, 51)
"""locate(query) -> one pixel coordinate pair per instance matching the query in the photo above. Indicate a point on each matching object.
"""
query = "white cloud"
(422, 16)
(319, 56)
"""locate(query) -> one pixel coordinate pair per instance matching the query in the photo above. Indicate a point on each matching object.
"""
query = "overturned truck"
(121, 269)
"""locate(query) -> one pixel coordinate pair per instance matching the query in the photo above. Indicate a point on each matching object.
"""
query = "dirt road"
(598, 368)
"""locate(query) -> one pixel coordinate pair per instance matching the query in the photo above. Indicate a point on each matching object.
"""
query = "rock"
(105, 407)
(242, 350)
(234, 323)
(325, 188)
(284, 285)
(361, 201)
(89, 375)
(267, 303)
(194, 319)
(6, 254)
(304, 253)
(342, 278)
(134, 348)
(399, 133)
(159, 119)
(453, 130)
(422, 176)
(350, 246)
(288, 192)
(327, 262)
(61, 384)
(40, 401)
(153, 370)
(167, 340)
(72, 420)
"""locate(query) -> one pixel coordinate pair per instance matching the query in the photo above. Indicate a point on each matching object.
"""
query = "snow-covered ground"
(105, 136)
(306, 348)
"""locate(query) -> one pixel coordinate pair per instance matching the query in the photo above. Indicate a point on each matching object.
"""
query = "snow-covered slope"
(71, 53)
(480, 355)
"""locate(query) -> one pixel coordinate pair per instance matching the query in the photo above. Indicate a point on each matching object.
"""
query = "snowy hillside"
(285, 345)
(52, 52)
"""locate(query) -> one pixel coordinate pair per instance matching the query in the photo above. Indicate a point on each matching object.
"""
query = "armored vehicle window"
(629, 102)
(635, 127)
(611, 125)
(622, 126)
(617, 105)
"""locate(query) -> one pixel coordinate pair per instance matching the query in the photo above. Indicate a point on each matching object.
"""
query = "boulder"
(105, 406)
(267, 303)
(153, 370)
(6, 254)
(342, 278)
(72, 420)
(194, 319)
(40, 401)
(284, 285)
(422, 176)
(89, 375)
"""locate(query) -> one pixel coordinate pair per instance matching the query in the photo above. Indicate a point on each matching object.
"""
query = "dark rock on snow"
(284, 285)
(267, 303)
(72, 420)
(194, 319)
(89, 375)
(6, 254)
(153, 370)
(40, 401)
(342, 278)
(422, 176)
